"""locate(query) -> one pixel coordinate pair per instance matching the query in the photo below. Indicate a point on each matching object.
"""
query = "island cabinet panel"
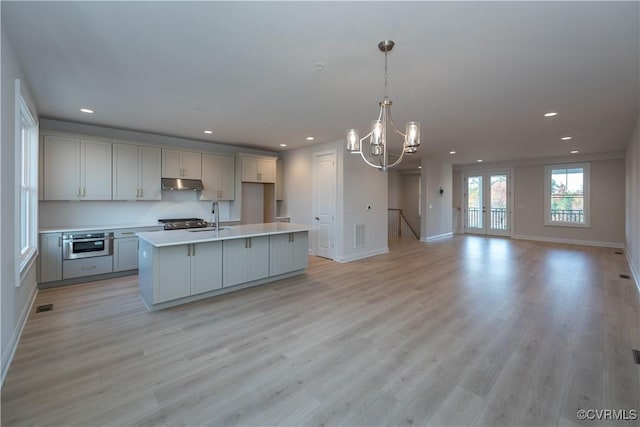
(186, 270)
(206, 267)
(288, 252)
(245, 260)
(173, 275)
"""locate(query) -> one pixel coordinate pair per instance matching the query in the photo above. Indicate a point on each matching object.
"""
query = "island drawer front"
(87, 267)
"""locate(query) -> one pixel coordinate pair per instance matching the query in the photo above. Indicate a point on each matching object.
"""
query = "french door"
(487, 202)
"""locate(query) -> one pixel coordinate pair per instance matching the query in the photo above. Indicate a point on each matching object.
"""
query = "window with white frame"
(27, 176)
(566, 194)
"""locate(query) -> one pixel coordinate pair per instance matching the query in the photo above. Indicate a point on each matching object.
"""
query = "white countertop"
(185, 237)
(83, 228)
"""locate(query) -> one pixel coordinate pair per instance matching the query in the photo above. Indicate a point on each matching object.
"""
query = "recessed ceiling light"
(283, 145)
(310, 138)
(566, 138)
(86, 110)
(452, 152)
(574, 152)
(479, 160)
(208, 132)
(419, 167)
(550, 114)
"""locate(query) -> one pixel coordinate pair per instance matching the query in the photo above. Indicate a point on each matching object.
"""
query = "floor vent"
(625, 276)
(46, 307)
(636, 356)
(619, 253)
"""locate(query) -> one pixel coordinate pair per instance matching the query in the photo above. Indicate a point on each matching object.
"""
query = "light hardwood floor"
(466, 331)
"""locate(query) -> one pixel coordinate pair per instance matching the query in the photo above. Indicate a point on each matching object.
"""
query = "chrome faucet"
(215, 209)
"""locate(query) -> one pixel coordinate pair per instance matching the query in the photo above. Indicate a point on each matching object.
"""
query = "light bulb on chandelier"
(380, 154)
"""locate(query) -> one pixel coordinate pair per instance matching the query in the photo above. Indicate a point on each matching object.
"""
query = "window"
(26, 175)
(567, 195)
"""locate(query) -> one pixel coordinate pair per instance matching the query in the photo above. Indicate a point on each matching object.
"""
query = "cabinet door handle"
(59, 241)
(246, 242)
(141, 192)
(127, 233)
(88, 267)
(259, 177)
(193, 249)
(79, 192)
(250, 242)
(83, 191)
(188, 250)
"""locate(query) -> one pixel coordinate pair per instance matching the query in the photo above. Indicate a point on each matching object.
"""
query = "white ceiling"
(478, 76)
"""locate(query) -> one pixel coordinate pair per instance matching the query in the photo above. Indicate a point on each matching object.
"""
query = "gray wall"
(607, 199)
(16, 300)
(436, 209)
(632, 229)
(607, 205)
(358, 186)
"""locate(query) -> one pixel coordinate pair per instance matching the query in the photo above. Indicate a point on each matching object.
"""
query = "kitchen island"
(181, 266)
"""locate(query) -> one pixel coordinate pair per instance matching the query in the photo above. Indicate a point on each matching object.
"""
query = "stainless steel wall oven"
(87, 245)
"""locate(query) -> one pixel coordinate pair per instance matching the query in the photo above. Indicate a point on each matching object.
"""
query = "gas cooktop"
(183, 223)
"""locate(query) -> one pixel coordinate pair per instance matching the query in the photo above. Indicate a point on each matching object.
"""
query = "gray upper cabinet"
(181, 164)
(218, 177)
(136, 172)
(258, 169)
(76, 168)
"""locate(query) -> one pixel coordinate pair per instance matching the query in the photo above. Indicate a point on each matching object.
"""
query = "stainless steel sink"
(199, 230)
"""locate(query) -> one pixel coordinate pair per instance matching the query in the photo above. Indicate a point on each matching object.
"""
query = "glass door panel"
(498, 202)
(474, 217)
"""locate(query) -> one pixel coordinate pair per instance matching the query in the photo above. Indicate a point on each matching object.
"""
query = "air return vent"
(358, 236)
(45, 307)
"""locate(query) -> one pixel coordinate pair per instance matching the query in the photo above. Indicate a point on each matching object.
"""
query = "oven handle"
(88, 240)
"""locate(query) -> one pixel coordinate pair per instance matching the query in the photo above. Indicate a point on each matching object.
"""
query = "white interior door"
(324, 203)
(487, 203)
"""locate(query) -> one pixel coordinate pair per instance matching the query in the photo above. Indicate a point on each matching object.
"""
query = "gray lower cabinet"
(245, 260)
(289, 252)
(82, 267)
(50, 257)
(125, 254)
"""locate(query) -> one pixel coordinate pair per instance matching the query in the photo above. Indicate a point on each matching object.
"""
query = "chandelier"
(380, 155)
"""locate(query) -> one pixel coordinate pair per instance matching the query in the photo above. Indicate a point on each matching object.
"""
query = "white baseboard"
(363, 255)
(436, 237)
(634, 272)
(570, 241)
(7, 357)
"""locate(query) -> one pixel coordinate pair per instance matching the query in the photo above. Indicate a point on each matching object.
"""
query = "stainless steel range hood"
(182, 184)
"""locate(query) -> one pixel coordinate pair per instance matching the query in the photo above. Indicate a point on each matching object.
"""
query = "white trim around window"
(571, 217)
(26, 200)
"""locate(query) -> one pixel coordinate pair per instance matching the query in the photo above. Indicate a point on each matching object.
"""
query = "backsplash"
(174, 204)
